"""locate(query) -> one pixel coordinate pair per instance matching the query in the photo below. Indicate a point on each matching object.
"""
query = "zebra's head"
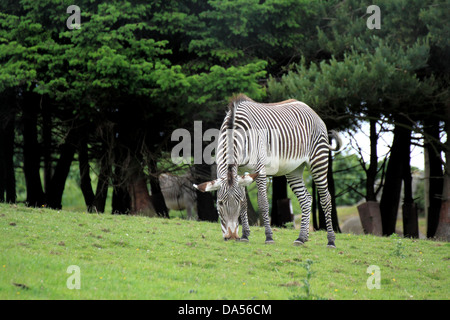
(230, 197)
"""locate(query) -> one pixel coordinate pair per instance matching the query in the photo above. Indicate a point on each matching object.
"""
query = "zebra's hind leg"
(319, 171)
(325, 202)
(297, 186)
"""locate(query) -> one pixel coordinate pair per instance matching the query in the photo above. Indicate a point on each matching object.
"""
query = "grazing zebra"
(178, 193)
(271, 139)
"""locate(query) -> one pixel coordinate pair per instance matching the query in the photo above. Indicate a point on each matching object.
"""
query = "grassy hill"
(129, 257)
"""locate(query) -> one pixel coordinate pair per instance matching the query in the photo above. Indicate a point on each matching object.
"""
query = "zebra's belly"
(280, 167)
(277, 167)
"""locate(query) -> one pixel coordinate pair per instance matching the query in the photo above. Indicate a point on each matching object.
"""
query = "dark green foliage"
(112, 91)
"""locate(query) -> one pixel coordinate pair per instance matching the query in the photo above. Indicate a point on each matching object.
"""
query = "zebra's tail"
(334, 135)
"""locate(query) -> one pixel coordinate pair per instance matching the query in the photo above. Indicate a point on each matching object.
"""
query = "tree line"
(110, 93)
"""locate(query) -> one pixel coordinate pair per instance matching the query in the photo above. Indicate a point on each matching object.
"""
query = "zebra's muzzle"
(232, 235)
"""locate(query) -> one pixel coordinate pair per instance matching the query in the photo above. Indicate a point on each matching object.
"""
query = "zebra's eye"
(220, 202)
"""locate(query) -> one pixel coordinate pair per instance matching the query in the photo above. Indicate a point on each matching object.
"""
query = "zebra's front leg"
(263, 205)
(304, 227)
(244, 221)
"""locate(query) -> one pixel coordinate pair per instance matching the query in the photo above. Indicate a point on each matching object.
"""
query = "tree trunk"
(31, 151)
(434, 176)
(332, 190)
(121, 202)
(205, 207)
(409, 210)
(394, 175)
(2, 164)
(62, 169)
(7, 174)
(46, 143)
(205, 200)
(371, 172)
(85, 178)
(141, 202)
(280, 213)
(157, 197)
(369, 214)
(443, 229)
(315, 197)
(101, 193)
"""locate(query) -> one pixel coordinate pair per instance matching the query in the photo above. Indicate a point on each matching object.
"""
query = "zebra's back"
(287, 130)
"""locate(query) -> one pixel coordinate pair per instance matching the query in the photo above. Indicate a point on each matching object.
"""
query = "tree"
(439, 67)
(111, 78)
(31, 58)
(109, 94)
(375, 74)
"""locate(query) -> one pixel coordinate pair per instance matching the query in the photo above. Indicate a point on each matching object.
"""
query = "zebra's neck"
(227, 154)
(231, 142)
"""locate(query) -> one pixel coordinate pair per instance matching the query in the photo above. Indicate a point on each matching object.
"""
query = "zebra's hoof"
(331, 245)
(298, 243)
(243, 239)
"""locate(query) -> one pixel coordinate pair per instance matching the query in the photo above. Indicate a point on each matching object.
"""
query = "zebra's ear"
(208, 186)
(247, 179)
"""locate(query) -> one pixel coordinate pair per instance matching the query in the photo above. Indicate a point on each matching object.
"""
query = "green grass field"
(130, 257)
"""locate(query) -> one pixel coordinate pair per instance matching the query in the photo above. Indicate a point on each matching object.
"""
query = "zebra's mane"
(232, 106)
(229, 125)
(237, 99)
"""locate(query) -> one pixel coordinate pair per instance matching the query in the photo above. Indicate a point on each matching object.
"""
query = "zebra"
(270, 139)
(178, 193)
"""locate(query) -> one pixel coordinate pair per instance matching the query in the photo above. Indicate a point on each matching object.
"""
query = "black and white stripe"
(273, 140)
